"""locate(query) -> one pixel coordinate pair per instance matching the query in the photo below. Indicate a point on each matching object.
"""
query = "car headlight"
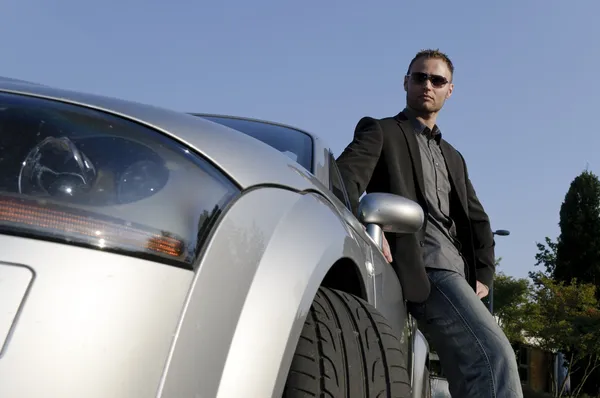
(84, 177)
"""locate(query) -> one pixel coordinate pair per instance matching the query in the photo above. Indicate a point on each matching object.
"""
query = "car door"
(388, 292)
(389, 299)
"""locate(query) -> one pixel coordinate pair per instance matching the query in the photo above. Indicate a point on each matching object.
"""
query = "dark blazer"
(384, 157)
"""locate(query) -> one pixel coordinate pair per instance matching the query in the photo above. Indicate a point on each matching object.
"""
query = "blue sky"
(523, 112)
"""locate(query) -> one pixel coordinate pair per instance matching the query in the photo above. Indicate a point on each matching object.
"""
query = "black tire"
(347, 350)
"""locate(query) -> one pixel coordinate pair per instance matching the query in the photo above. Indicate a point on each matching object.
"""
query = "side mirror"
(385, 212)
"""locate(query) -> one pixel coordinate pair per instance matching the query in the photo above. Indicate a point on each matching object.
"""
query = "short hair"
(434, 54)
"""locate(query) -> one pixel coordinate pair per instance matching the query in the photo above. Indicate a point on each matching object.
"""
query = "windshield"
(293, 143)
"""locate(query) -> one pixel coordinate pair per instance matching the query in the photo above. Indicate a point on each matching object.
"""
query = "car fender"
(251, 294)
(289, 276)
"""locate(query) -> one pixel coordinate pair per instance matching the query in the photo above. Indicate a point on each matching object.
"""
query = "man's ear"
(406, 83)
(450, 90)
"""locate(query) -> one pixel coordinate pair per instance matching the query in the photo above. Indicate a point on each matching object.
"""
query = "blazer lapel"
(456, 173)
(413, 149)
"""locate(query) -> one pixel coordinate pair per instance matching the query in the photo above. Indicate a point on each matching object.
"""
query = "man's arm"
(359, 159)
(483, 238)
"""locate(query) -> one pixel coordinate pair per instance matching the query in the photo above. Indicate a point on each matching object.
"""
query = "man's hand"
(482, 290)
(385, 247)
(387, 253)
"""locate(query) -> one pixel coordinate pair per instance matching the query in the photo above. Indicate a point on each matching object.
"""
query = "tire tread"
(347, 349)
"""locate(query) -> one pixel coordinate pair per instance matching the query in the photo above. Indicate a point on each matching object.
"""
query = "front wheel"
(347, 349)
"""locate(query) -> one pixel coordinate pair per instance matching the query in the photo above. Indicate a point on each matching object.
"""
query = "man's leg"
(474, 352)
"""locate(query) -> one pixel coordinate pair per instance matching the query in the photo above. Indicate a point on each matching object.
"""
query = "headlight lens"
(80, 176)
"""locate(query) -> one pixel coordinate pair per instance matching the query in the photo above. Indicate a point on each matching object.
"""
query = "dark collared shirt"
(440, 250)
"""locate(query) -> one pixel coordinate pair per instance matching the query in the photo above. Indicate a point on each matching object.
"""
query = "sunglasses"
(437, 81)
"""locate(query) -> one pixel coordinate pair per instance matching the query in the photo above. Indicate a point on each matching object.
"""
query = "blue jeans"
(474, 352)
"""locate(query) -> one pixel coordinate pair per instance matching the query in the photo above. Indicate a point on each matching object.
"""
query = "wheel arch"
(311, 247)
(344, 275)
(253, 288)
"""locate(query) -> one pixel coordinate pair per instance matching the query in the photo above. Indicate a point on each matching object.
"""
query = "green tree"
(575, 255)
(565, 317)
(546, 257)
(511, 296)
(511, 305)
(578, 246)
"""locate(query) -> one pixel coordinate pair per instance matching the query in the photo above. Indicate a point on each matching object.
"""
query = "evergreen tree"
(575, 255)
(578, 246)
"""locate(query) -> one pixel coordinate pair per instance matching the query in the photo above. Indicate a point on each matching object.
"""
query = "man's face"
(428, 85)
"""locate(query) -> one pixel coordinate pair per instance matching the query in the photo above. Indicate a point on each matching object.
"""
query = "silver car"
(151, 253)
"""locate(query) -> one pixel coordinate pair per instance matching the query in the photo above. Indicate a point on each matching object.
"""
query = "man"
(446, 268)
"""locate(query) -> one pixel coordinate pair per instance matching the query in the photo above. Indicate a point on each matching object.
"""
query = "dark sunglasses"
(437, 81)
